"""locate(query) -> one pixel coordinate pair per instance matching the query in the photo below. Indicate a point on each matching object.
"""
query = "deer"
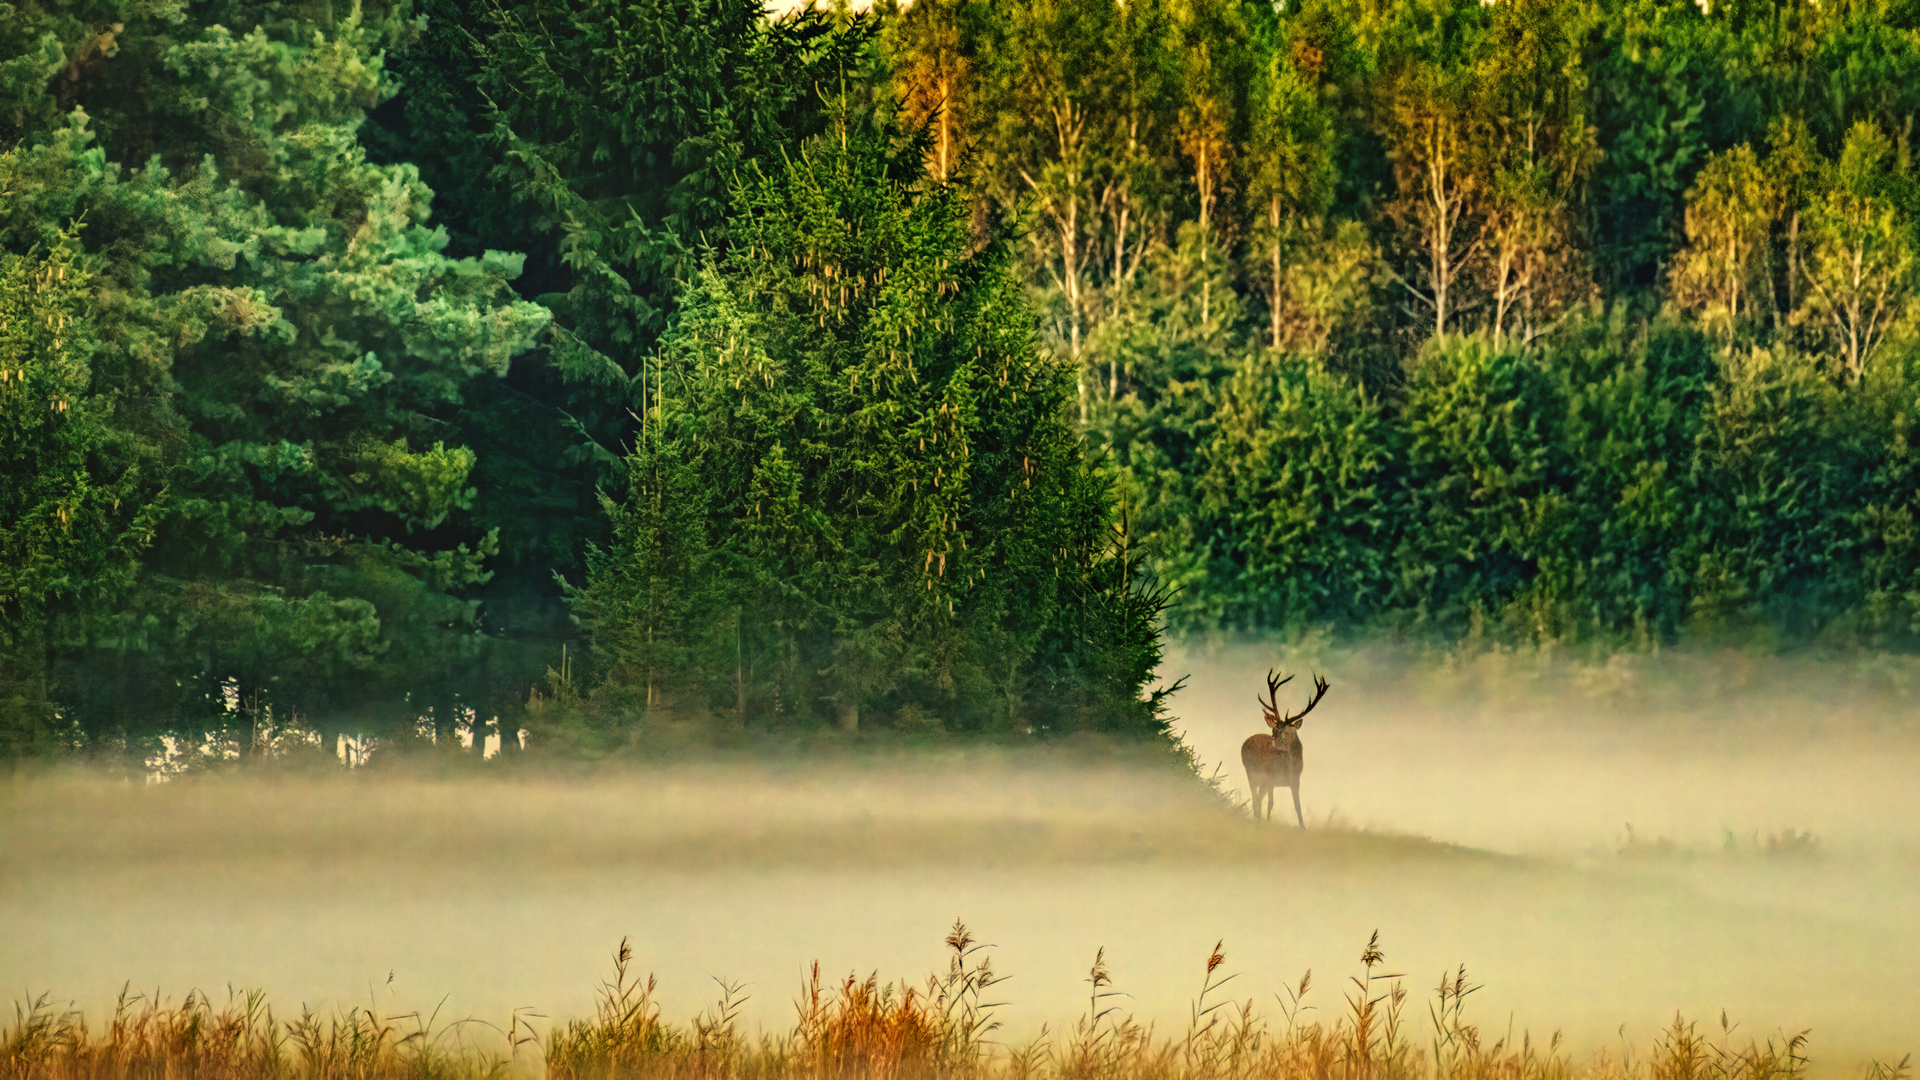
(1274, 760)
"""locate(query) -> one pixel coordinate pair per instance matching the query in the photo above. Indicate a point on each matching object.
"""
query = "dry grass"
(194, 1040)
(863, 1029)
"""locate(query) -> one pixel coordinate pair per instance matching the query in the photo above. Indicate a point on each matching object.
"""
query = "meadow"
(775, 439)
(1619, 853)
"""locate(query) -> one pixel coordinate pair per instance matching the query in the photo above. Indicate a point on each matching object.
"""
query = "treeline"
(1537, 319)
(687, 362)
(360, 360)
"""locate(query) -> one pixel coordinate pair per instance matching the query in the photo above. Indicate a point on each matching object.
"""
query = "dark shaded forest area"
(388, 369)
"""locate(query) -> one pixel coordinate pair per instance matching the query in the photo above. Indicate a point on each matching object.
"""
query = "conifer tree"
(857, 495)
(601, 139)
(1291, 490)
(277, 316)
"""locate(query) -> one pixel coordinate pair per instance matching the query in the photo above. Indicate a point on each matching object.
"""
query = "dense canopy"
(424, 368)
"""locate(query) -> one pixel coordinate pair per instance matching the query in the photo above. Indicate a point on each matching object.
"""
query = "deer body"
(1274, 760)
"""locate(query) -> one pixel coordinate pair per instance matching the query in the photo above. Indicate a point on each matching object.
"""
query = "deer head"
(1278, 720)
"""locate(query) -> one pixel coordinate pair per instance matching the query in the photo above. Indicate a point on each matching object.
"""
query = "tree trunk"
(1273, 220)
(739, 675)
(1442, 251)
(1793, 262)
(946, 133)
(1070, 264)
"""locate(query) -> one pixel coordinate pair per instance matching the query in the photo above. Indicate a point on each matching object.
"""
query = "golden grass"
(242, 1040)
(863, 1029)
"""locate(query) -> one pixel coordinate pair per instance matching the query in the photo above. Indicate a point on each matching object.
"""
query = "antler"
(1319, 691)
(1272, 705)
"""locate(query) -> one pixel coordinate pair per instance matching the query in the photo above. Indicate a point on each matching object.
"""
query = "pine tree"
(276, 315)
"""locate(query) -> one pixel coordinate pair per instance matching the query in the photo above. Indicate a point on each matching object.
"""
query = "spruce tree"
(857, 496)
(601, 139)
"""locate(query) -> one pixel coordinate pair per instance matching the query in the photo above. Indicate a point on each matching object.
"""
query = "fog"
(1591, 840)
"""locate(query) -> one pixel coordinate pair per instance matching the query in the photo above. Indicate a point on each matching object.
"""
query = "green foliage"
(1289, 486)
(1635, 399)
(78, 506)
(1489, 239)
(78, 498)
(905, 364)
(1724, 269)
(1885, 567)
(1477, 497)
(276, 317)
(856, 493)
(600, 139)
(1860, 260)
(1787, 452)
(1664, 99)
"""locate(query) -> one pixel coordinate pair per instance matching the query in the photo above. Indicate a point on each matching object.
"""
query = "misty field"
(1601, 845)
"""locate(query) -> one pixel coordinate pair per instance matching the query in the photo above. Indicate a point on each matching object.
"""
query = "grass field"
(863, 1029)
(1601, 847)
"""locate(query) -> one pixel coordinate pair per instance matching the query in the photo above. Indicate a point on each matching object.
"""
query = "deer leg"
(1296, 805)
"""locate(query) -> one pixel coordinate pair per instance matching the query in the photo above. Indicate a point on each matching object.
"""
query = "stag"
(1273, 760)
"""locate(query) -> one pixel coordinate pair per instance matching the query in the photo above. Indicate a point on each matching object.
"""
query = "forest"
(591, 367)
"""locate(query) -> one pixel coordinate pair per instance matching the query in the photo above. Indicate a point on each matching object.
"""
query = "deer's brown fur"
(1274, 760)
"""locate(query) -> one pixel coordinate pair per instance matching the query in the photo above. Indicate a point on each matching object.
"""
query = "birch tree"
(931, 55)
(1539, 153)
(1433, 140)
(1041, 151)
(1723, 271)
(1135, 120)
(1860, 268)
(1211, 46)
(1291, 172)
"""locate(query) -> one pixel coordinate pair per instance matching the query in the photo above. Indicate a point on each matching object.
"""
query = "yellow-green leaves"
(1724, 272)
(76, 507)
(1861, 263)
